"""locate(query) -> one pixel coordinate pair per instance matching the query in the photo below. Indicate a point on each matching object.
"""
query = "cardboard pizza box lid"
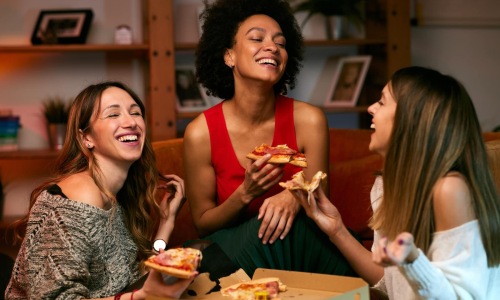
(300, 286)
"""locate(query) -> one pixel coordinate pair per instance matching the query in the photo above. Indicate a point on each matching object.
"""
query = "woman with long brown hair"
(436, 207)
(91, 224)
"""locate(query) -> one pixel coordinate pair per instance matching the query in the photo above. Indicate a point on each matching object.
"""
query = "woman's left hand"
(277, 214)
(174, 196)
(397, 252)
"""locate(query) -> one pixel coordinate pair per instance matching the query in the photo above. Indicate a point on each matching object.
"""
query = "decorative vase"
(314, 28)
(57, 134)
(335, 27)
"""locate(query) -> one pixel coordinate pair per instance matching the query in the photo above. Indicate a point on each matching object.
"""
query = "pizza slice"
(248, 290)
(299, 182)
(177, 262)
(280, 154)
(298, 159)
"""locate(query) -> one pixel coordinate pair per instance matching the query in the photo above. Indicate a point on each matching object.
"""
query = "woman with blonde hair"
(436, 207)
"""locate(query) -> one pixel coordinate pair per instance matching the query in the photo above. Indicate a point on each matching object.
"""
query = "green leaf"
(56, 110)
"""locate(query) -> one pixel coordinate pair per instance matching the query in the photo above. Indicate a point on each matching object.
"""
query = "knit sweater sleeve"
(455, 267)
(61, 252)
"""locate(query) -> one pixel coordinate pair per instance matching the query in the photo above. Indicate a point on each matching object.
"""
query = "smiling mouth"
(372, 126)
(268, 61)
(128, 138)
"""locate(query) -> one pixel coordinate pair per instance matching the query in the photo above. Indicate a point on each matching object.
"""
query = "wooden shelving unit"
(24, 154)
(387, 40)
(139, 48)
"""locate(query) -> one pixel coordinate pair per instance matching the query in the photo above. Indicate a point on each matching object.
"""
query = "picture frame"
(62, 26)
(347, 81)
(190, 95)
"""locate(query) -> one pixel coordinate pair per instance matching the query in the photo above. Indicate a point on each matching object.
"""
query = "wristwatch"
(159, 244)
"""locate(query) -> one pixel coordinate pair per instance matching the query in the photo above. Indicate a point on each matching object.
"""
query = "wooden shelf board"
(344, 42)
(42, 153)
(308, 43)
(74, 48)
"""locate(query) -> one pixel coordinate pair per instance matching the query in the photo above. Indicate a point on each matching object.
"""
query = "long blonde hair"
(137, 196)
(435, 131)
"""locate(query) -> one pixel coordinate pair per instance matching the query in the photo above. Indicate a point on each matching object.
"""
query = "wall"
(462, 38)
(471, 55)
(26, 79)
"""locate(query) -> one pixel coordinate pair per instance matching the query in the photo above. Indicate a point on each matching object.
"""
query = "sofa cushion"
(169, 158)
(350, 185)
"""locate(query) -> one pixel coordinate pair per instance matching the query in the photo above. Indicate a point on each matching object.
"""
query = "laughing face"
(259, 51)
(118, 128)
(383, 112)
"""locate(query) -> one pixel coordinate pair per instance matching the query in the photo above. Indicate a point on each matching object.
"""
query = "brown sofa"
(351, 175)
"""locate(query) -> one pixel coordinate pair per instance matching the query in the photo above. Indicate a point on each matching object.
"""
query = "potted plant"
(333, 11)
(56, 113)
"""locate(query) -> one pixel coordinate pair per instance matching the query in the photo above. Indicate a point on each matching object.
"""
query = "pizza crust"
(177, 262)
(279, 159)
(169, 270)
(299, 163)
(299, 182)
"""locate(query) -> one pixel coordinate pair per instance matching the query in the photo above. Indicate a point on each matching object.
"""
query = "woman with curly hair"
(249, 54)
(436, 206)
(91, 225)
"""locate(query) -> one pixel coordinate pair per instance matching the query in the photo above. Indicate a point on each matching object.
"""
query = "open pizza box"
(300, 286)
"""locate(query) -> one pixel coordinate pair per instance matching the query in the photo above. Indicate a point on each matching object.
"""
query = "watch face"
(159, 244)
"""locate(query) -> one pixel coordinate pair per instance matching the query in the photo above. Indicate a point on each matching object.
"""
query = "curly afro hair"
(221, 21)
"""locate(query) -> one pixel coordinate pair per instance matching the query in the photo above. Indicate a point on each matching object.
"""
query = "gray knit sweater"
(73, 250)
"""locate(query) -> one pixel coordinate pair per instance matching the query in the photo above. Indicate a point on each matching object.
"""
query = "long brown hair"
(436, 131)
(137, 196)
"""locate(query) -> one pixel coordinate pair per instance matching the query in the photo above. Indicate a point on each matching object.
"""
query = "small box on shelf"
(9, 128)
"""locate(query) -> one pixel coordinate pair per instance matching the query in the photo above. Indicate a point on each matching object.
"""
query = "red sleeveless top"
(228, 171)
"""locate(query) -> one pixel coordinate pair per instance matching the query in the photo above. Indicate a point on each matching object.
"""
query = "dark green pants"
(306, 248)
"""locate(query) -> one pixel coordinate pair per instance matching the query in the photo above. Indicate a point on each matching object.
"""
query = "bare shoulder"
(311, 126)
(197, 130)
(82, 188)
(196, 139)
(308, 114)
(452, 202)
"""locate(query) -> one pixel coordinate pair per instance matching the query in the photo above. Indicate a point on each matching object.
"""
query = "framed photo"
(62, 27)
(191, 96)
(347, 81)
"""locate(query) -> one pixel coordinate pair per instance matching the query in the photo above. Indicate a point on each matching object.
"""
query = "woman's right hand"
(154, 286)
(321, 210)
(260, 177)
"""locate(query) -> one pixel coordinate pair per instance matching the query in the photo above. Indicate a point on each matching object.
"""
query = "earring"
(88, 145)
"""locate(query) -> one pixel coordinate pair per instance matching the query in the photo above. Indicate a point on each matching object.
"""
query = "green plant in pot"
(348, 9)
(56, 113)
